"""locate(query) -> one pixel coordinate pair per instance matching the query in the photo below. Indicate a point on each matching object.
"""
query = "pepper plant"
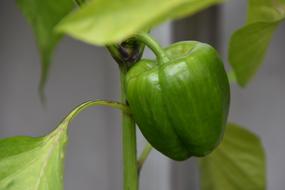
(180, 100)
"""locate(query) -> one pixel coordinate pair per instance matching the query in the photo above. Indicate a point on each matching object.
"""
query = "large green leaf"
(36, 163)
(248, 45)
(109, 21)
(43, 16)
(238, 163)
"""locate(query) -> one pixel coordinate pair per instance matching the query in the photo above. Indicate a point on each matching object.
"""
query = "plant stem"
(154, 46)
(107, 103)
(147, 149)
(129, 142)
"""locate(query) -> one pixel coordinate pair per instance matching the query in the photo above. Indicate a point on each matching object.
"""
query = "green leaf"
(248, 45)
(265, 10)
(247, 49)
(36, 163)
(43, 16)
(238, 163)
(103, 22)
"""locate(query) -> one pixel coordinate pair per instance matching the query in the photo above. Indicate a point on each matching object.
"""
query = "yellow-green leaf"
(247, 49)
(36, 163)
(248, 44)
(238, 163)
(265, 10)
(33, 163)
(43, 15)
(103, 22)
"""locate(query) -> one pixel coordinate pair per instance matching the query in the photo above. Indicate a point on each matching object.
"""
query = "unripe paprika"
(181, 100)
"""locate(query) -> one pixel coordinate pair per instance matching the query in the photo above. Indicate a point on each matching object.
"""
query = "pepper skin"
(180, 105)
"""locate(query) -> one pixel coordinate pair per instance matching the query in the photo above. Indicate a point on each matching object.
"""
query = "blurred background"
(81, 72)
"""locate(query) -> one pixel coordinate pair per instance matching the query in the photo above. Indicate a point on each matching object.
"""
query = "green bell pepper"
(180, 101)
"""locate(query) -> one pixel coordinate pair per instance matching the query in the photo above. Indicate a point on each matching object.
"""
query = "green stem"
(147, 149)
(114, 50)
(129, 143)
(67, 120)
(154, 46)
(117, 105)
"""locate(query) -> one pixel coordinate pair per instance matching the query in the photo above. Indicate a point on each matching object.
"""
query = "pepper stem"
(129, 142)
(147, 149)
(154, 46)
